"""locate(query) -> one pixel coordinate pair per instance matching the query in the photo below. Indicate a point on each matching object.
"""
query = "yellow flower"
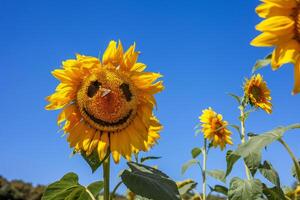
(258, 93)
(281, 29)
(107, 104)
(215, 129)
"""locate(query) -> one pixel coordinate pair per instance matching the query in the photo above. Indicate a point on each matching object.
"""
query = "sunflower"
(214, 128)
(107, 106)
(281, 29)
(257, 93)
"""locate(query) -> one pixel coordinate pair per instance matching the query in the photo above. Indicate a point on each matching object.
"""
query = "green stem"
(243, 140)
(292, 155)
(106, 168)
(204, 170)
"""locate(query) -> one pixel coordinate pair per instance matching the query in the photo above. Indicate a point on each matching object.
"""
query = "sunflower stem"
(106, 171)
(292, 155)
(204, 170)
(243, 139)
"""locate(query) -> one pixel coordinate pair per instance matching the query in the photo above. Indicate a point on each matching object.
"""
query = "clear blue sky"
(201, 47)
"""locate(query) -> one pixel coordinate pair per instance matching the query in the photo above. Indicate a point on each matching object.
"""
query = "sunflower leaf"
(253, 161)
(149, 182)
(219, 189)
(231, 158)
(245, 189)
(267, 170)
(259, 142)
(68, 188)
(196, 152)
(93, 160)
(143, 159)
(188, 164)
(217, 174)
(261, 63)
(274, 193)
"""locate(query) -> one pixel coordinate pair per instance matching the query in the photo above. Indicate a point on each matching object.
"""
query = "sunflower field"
(107, 112)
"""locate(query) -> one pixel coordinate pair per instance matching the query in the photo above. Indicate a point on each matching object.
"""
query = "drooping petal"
(285, 53)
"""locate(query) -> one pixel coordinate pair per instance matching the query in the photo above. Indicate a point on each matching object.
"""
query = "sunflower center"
(256, 92)
(107, 100)
(296, 16)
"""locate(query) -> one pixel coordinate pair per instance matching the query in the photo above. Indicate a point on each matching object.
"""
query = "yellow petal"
(129, 59)
(139, 67)
(269, 39)
(113, 54)
(103, 145)
(279, 25)
(265, 10)
(283, 3)
(297, 77)
(285, 53)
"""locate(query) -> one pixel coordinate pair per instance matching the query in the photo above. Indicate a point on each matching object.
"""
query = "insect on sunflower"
(281, 29)
(107, 106)
(215, 129)
(258, 93)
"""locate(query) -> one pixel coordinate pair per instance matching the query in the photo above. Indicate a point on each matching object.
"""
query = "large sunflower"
(258, 93)
(214, 128)
(281, 29)
(107, 105)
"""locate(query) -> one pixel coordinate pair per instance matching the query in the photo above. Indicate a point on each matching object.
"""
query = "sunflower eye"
(126, 91)
(93, 88)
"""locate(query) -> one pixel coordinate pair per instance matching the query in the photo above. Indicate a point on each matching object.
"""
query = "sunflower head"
(107, 105)
(257, 93)
(281, 29)
(214, 128)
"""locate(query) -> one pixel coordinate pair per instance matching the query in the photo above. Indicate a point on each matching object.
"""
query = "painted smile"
(105, 123)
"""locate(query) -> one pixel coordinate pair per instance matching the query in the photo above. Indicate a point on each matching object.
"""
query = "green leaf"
(220, 189)
(231, 159)
(253, 161)
(245, 189)
(93, 160)
(259, 142)
(149, 182)
(267, 170)
(262, 63)
(186, 186)
(68, 188)
(236, 97)
(188, 164)
(217, 174)
(196, 152)
(95, 187)
(274, 193)
(143, 159)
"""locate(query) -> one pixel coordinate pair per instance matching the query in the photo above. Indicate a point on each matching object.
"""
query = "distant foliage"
(19, 190)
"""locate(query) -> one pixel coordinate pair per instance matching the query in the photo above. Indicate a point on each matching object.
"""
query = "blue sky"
(201, 47)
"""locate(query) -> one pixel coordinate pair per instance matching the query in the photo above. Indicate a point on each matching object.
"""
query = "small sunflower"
(281, 29)
(258, 94)
(107, 105)
(214, 128)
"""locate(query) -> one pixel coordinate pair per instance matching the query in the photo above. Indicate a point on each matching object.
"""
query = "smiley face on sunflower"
(107, 106)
